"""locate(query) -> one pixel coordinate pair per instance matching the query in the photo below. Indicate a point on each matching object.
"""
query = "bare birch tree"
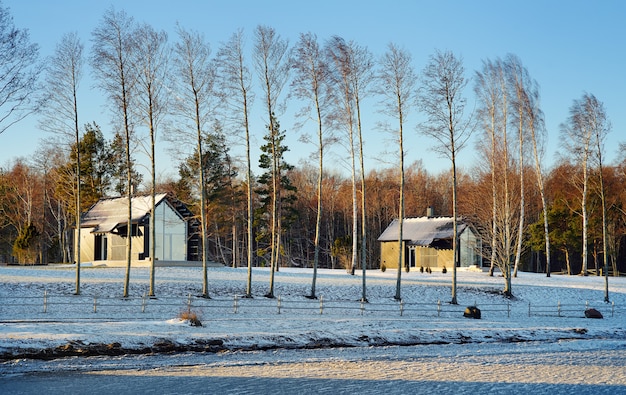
(517, 77)
(151, 62)
(310, 84)
(442, 101)
(113, 48)
(488, 97)
(19, 72)
(492, 93)
(352, 71)
(397, 86)
(529, 96)
(195, 75)
(578, 133)
(341, 67)
(235, 81)
(271, 57)
(60, 115)
(595, 116)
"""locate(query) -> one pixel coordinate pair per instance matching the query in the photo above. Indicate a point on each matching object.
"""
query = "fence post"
(45, 301)
(612, 308)
(235, 304)
(278, 304)
(189, 303)
(143, 303)
(401, 307)
(508, 309)
(529, 309)
(558, 307)
(438, 307)
(95, 303)
(321, 304)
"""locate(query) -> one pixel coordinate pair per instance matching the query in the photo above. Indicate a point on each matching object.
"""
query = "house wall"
(469, 249)
(87, 245)
(417, 257)
(171, 235)
(432, 257)
(115, 246)
(389, 254)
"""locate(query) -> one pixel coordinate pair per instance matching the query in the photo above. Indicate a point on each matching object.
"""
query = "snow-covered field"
(333, 342)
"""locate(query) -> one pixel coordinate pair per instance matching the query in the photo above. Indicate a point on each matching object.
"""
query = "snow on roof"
(107, 214)
(421, 231)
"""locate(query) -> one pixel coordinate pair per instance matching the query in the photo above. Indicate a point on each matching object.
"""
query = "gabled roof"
(422, 231)
(107, 214)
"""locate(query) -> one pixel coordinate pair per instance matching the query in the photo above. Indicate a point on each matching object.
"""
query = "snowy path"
(581, 367)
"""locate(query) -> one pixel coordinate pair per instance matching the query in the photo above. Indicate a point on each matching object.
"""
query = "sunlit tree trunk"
(443, 103)
(236, 87)
(272, 65)
(113, 50)
(151, 61)
(61, 114)
(398, 87)
(196, 78)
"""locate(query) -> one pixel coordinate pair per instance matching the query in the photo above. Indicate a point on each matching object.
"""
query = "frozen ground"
(349, 347)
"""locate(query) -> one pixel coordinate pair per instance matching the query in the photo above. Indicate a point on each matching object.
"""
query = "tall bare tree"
(236, 84)
(310, 84)
(113, 50)
(442, 102)
(488, 98)
(527, 93)
(397, 86)
(195, 73)
(352, 71)
(578, 137)
(60, 114)
(19, 71)
(516, 80)
(340, 59)
(594, 115)
(271, 58)
(151, 62)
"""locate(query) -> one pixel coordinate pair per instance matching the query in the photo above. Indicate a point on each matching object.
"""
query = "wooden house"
(427, 243)
(104, 231)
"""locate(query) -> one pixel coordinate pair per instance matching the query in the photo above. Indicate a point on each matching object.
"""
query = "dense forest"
(295, 214)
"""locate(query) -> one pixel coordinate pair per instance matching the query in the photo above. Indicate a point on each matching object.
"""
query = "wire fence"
(59, 307)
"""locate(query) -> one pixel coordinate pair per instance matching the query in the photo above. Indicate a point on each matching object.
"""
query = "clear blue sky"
(569, 47)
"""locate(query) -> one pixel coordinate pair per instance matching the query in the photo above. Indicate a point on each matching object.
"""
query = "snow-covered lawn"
(101, 320)
(292, 344)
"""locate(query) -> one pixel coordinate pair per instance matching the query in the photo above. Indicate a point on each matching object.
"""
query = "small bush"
(383, 268)
(192, 317)
(444, 270)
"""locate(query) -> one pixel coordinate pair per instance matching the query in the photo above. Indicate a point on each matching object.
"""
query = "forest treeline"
(37, 196)
(567, 218)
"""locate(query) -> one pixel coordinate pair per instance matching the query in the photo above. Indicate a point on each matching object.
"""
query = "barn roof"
(107, 214)
(422, 231)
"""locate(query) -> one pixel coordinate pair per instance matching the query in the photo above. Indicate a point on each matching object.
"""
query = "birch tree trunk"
(398, 87)
(112, 53)
(61, 114)
(236, 88)
(443, 103)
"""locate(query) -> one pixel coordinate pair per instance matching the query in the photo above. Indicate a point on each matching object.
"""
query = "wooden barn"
(104, 229)
(427, 243)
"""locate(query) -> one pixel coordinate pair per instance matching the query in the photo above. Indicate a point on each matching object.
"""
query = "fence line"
(569, 309)
(149, 307)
